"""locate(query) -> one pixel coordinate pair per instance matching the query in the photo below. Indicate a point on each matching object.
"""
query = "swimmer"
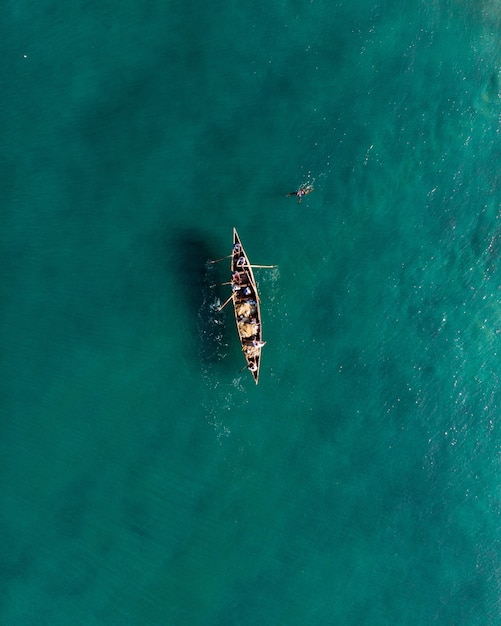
(302, 191)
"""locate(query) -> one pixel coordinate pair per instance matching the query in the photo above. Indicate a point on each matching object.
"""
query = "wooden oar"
(221, 259)
(222, 307)
(220, 284)
(264, 266)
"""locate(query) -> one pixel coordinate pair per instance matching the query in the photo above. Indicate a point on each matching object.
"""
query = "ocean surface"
(145, 479)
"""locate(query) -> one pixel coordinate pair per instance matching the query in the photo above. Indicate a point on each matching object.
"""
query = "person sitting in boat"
(254, 324)
(237, 247)
(241, 261)
(235, 277)
(257, 343)
(252, 366)
(302, 191)
(250, 351)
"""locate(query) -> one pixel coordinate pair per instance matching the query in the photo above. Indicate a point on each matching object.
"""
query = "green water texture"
(145, 479)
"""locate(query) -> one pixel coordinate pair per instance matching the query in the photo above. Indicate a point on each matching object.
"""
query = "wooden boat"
(246, 305)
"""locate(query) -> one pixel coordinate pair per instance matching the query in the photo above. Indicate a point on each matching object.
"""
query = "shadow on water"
(201, 284)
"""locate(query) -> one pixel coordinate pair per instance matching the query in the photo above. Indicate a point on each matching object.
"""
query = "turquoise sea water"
(144, 479)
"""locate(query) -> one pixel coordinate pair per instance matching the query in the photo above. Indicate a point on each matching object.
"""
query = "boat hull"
(246, 307)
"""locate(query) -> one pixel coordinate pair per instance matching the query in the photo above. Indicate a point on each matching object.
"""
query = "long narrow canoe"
(246, 306)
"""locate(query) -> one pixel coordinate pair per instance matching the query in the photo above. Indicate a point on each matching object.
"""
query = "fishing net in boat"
(245, 309)
(247, 329)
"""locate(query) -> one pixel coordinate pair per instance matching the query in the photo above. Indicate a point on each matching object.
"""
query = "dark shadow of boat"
(200, 282)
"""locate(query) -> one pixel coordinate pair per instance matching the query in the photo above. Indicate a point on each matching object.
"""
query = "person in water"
(302, 191)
